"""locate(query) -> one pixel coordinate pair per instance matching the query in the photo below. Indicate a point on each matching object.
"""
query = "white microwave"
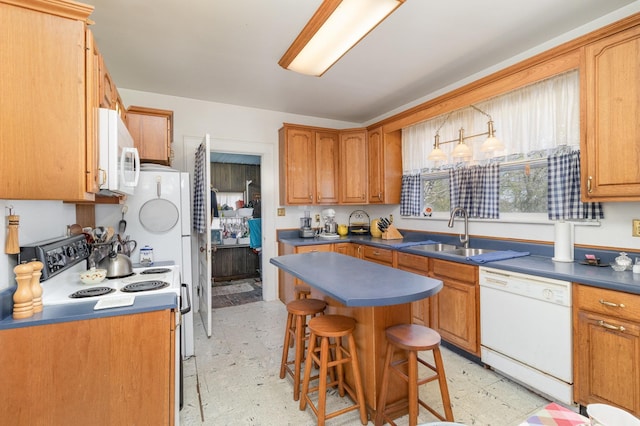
(119, 159)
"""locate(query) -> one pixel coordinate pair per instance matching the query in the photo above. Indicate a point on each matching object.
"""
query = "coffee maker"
(306, 231)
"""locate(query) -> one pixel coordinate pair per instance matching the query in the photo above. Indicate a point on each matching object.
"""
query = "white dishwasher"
(525, 328)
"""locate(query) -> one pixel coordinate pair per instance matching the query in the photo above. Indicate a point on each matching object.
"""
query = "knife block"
(391, 233)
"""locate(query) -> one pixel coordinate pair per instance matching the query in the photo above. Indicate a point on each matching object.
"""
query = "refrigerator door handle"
(188, 307)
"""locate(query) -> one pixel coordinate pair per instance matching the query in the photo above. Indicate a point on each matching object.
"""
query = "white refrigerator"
(159, 215)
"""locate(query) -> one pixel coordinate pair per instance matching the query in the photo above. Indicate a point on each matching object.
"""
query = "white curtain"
(540, 116)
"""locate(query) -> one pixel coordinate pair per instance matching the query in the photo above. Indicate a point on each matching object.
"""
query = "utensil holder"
(391, 233)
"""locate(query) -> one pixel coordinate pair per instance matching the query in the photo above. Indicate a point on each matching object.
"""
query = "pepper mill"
(23, 298)
(36, 288)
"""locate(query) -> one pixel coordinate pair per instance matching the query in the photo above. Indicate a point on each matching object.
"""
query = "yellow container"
(375, 231)
(343, 230)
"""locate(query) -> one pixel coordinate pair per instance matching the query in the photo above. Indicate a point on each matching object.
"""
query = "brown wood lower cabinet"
(231, 263)
(288, 281)
(606, 347)
(455, 310)
(418, 265)
(107, 371)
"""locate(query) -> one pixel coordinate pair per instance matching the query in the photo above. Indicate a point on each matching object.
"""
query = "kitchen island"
(376, 296)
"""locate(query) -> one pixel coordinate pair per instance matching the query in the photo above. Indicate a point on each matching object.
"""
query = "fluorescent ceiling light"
(336, 27)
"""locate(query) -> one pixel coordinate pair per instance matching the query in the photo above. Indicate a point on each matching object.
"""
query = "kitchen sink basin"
(438, 247)
(466, 252)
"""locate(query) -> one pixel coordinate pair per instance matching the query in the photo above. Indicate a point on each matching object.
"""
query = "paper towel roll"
(563, 245)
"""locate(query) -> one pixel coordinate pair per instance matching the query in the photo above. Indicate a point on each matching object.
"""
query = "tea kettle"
(117, 264)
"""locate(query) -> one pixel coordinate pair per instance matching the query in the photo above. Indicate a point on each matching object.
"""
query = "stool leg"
(307, 371)
(340, 366)
(300, 344)
(413, 388)
(358, 379)
(322, 387)
(285, 347)
(382, 399)
(442, 381)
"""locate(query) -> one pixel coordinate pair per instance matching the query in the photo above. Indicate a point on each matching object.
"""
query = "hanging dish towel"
(255, 233)
(497, 255)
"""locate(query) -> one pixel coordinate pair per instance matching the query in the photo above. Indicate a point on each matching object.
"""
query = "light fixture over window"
(462, 150)
(336, 27)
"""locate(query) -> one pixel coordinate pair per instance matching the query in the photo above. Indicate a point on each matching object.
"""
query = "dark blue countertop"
(356, 282)
(539, 262)
(84, 311)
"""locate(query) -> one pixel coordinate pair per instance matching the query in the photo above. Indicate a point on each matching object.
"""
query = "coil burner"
(144, 286)
(92, 292)
(155, 271)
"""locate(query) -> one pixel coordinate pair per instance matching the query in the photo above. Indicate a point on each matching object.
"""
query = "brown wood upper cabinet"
(611, 106)
(308, 165)
(152, 133)
(46, 154)
(385, 166)
(353, 166)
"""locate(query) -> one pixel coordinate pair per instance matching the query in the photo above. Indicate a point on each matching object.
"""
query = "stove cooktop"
(67, 287)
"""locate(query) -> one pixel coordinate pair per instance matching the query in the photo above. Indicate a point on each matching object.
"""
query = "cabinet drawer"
(413, 262)
(314, 248)
(379, 255)
(609, 302)
(457, 271)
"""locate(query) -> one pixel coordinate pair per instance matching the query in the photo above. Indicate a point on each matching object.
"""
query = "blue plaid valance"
(410, 197)
(476, 189)
(563, 194)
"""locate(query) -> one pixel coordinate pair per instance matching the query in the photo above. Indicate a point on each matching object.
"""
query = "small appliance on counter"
(359, 222)
(306, 231)
(330, 226)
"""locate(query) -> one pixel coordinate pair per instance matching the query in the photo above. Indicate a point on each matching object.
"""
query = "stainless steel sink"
(466, 252)
(437, 247)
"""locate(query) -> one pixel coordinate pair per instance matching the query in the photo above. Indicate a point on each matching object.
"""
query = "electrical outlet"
(635, 231)
(280, 211)
(317, 217)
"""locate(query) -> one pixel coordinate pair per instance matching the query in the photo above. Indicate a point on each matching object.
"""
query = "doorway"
(236, 229)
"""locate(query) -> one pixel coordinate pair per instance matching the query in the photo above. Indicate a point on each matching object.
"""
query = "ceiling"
(228, 51)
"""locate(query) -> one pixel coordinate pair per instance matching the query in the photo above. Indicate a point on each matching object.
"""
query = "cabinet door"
(420, 309)
(94, 176)
(43, 139)
(607, 358)
(385, 166)
(151, 130)
(297, 166)
(107, 87)
(326, 159)
(455, 308)
(353, 167)
(611, 105)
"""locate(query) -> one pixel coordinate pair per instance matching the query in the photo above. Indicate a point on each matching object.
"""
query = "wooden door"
(151, 130)
(611, 105)
(297, 166)
(327, 167)
(607, 359)
(353, 166)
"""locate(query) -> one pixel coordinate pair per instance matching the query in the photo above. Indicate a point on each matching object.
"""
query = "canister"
(146, 256)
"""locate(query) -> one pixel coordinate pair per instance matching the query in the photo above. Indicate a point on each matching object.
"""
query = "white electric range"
(66, 257)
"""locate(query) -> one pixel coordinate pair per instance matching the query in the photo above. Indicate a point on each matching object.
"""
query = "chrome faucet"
(464, 240)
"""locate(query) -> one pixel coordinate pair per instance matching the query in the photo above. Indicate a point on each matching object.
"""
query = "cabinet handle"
(610, 327)
(310, 197)
(589, 189)
(380, 196)
(319, 196)
(611, 304)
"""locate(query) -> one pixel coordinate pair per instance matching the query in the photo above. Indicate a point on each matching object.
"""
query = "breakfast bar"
(376, 296)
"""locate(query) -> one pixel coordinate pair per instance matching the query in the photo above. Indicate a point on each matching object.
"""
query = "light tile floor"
(234, 379)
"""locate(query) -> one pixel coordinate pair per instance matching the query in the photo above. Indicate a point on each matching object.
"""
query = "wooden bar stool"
(412, 338)
(325, 328)
(296, 333)
(302, 291)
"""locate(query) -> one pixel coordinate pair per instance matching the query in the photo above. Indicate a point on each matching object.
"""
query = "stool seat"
(413, 337)
(334, 356)
(332, 325)
(306, 306)
(301, 291)
(296, 335)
